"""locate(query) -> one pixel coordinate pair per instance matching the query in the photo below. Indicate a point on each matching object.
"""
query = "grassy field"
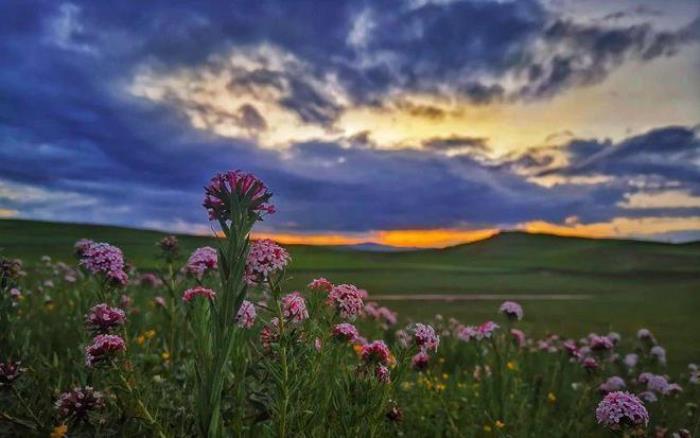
(628, 284)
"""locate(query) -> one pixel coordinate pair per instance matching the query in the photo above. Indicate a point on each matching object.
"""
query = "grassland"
(631, 284)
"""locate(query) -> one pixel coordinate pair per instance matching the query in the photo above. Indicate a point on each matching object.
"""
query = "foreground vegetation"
(628, 284)
(227, 341)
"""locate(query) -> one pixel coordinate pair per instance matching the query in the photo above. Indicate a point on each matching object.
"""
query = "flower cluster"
(269, 334)
(425, 337)
(345, 332)
(483, 331)
(518, 337)
(149, 279)
(658, 353)
(381, 314)
(347, 300)
(245, 317)
(294, 307)
(614, 383)
(236, 188)
(376, 352)
(264, 258)
(189, 294)
(103, 348)
(645, 335)
(79, 402)
(600, 343)
(658, 384)
(320, 285)
(10, 269)
(105, 259)
(169, 247)
(102, 318)
(201, 261)
(9, 372)
(619, 408)
(81, 246)
(511, 310)
(420, 361)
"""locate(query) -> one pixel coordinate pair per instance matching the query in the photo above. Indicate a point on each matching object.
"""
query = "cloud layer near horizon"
(112, 119)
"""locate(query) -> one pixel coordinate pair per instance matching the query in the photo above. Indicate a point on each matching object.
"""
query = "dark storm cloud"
(477, 144)
(671, 154)
(75, 146)
(585, 54)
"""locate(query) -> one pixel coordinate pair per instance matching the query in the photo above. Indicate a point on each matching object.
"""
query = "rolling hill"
(623, 284)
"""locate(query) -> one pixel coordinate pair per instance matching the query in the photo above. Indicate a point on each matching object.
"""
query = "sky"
(405, 122)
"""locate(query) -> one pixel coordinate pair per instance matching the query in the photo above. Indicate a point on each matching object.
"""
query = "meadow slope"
(626, 284)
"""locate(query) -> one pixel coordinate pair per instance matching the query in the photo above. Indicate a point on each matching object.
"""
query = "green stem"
(26, 406)
(142, 407)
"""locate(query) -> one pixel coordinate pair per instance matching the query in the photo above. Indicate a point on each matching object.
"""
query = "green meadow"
(618, 285)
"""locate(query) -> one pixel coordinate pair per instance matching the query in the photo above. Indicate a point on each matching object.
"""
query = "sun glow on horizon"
(428, 238)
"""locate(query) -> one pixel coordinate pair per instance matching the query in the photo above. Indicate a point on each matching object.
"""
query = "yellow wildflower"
(512, 366)
(440, 387)
(165, 355)
(358, 349)
(551, 398)
(406, 385)
(500, 424)
(149, 334)
(445, 376)
(487, 428)
(59, 431)
(140, 339)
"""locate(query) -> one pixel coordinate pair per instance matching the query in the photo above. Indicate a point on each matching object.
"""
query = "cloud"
(107, 118)
(457, 143)
(575, 54)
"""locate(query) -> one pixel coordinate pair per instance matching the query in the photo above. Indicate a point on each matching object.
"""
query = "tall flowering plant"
(236, 201)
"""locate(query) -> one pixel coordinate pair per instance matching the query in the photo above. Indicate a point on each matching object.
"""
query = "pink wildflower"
(376, 352)
(518, 337)
(101, 318)
(614, 383)
(600, 343)
(103, 347)
(467, 333)
(621, 408)
(425, 337)
(269, 334)
(159, 301)
(382, 373)
(9, 372)
(78, 403)
(189, 294)
(150, 279)
(345, 332)
(202, 260)
(486, 329)
(646, 336)
(512, 310)
(589, 363)
(347, 300)
(246, 315)
(658, 353)
(106, 259)
(420, 361)
(264, 258)
(320, 285)
(249, 191)
(294, 307)
(81, 247)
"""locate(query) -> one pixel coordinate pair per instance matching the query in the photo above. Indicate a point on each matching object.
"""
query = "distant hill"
(512, 250)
